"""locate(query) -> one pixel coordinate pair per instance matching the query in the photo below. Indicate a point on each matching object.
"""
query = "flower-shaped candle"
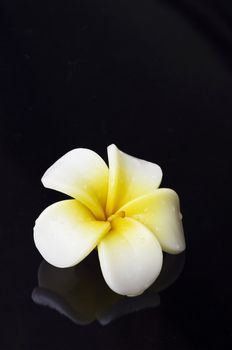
(119, 210)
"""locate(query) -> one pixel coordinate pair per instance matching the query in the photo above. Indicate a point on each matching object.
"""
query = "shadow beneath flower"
(81, 294)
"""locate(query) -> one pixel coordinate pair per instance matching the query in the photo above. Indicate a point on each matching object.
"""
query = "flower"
(120, 210)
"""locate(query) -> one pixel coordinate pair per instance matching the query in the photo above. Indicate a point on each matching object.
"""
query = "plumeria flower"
(117, 209)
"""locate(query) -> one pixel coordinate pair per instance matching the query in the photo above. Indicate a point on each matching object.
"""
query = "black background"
(153, 77)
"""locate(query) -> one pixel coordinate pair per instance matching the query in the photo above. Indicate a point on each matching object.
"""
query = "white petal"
(66, 232)
(81, 174)
(129, 178)
(160, 212)
(130, 257)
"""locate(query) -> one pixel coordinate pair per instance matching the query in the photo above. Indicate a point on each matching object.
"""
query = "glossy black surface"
(154, 77)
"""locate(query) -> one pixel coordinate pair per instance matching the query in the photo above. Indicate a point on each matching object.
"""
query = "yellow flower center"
(120, 214)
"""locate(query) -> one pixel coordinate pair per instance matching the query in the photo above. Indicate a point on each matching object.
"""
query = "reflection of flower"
(80, 293)
(120, 210)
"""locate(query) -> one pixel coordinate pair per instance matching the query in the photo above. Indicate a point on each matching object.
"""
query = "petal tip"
(176, 248)
(44, 179)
